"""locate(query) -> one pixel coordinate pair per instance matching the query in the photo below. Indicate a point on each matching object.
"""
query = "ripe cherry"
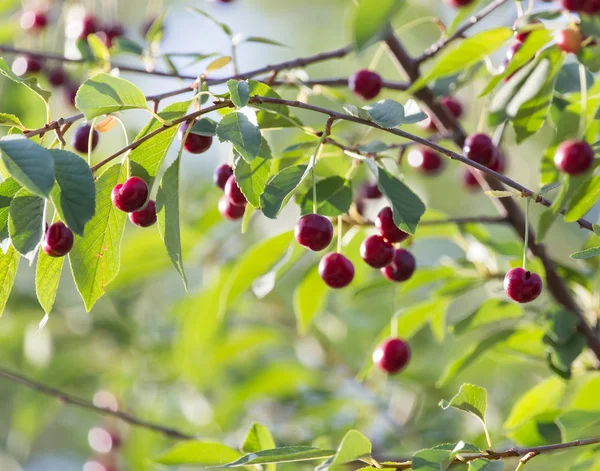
(452, 105)
(377, 251)
(58, 240)
(26, 65)
(314, 232)
(71, 92)
(392, 355)
(230, 211)
(336, 270)
(144, 217)
(387, 227)
(370, 191)
(233, 192)
(499, 165)
(32, 20)
(365, 84)
(569, 40)
(584, 6)
(402, 267)
(80, 140)
(459, 3)
(130, 196)
(425, 160)
(222, 174)
(574, 157)
(57, 76)
(81, 29)
(110, 32)
(194, 144)
(522, 286)
(480, 148)
(591, 6)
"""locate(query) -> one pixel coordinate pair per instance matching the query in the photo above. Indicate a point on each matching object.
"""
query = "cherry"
(336, 270)
(86, 26)
(499, 165)
(80, 140)
(387, 227)
(425, 160)
(392, 355)
(144, 217)
(370, 191)
(402, 267)
(459, 3)
(591, 6)
(32, 20)
(58, 240)
(522, 286)
(194, 144)
(377, 251)
(230, 211)
(222, 174)
(569, 40)
(71, 92)
(314, 232)
(112, 31)
(452, 105)
(365, 84)
(26, 65)
(585, 6)
(480, 148)
(130, 196)
(574, 157)
(57, 76)
(233, 192)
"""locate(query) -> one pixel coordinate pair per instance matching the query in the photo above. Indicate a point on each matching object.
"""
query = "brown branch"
(472, 21)
(85, 404)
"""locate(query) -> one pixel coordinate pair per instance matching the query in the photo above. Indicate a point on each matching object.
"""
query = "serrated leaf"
(239, 91)
(583, 199)
(334, 197)
(406, 205)
(205, 127)
(470, 398)
(9, 262)
(485, 465)
(431, 460)
(26, 222)
(29, 164)
(279, 189)
(310, 298)
(371, 21)
(386, 113)
(74, 195)
(543, 397)
(286, 454)
(252, 178)
(259, 438)
(585, 254)
(218, 63)
(272, 115)
(198, 453)
(95, 258)
(47, 277)
(167, 211)
(7, 119)
(104, 94)
(29, 82)
(242, 133)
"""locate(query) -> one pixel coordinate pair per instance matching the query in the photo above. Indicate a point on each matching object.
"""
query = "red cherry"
(314, 232)
(469, 180)
(459, 3)
(81, 138)
(194, 144)
(591, 7)
(376, 251)
(370, 191)
(233, 192)
(26, 65)
(222, 174)
(392, 355)
(365, 84)
(425, 160)
(387, 227)
(84, 27)
(452, 105)
(569, 40)
(56, 76)
(58, 240)
(230, 211)
(71, 92)
(336, 270)
(34, 20)
(522, 286)
(144, 217)
(480, 148)
(402, 267)
(130, 196)
(574, 157)
(574, 5)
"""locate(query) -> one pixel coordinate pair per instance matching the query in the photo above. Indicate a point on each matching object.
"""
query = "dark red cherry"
(376, 251)
(230, 211)
(452, 105)
(233, 192)
(569, 40)
(314, 232)
(336, 270)
(365, 84)
(32, 20)
(574, 157)
(591, 7)
(425, 160)
(402, 267)
(522, 286)
(387, 227)
(370, 191)
(459, 3)
(70, 91)
(194, 144)
(222, 174)
(24, 65)
(80, 140)
(144, 217)
(392, 355)
(130, 196)
(58, 240)
(480, 148)
(86, 26)
(57, 76)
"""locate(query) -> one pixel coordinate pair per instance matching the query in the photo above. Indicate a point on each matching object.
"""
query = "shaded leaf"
(406, 205)
(252, 178)
(29, 82)
(242, 133)
(239, 91)
(279, 189)
(26, 222)
(585, 254)
(334, 197)
(371, 21)
(470, 398)
(204, 127)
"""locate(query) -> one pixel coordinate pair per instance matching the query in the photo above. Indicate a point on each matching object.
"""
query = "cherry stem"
(128, 166)
(313, 164)
(526, 238)
(90, 141)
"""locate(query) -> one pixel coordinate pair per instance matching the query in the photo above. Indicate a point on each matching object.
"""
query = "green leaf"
(9, 262)
(310, 299)
(585, 254)
(155, 33)
(584, 199)
(354, 447)
(470, 398)
(412, 319)
(334, 197)
(147, 158)
(573, 423)
(74, 195)
(29, 82)
(104, 94)
(543, 397)
(29, 164)
(286, 454)
(8, 189)
(492, 310)
(386, 113)
(95, 258)
(261, 40)
(567, 80)
(252, 177)
(406, 205)
(47, 276)
(26, 222)
(123, 45)
(226, 29)
(413, 113)
(258, 438)
(240, 92)
(485, 465)
(204, 127)
(462, 14)
(7, 119)
(465, 54)
(239, 130)
(589, 56)
(371, 21)
(431, 460)
(198, 453)
(279, 188)
(167, 211)
(272, 115)
(98, 48)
